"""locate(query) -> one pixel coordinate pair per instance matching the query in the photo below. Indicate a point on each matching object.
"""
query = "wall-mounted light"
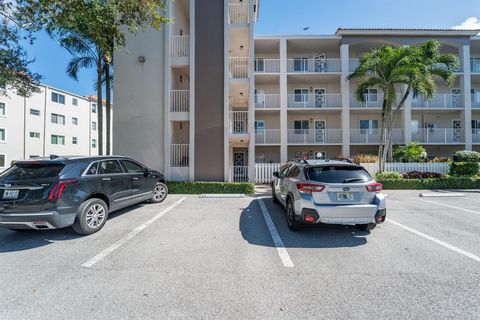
(181, 78)
(141, 59)
(311, 120)
(241, 48)
(181, 125)
(311, 89)
(241, 94)
(181, 32)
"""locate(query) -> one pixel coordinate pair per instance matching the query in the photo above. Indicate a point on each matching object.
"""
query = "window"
(132, 167)
(294, 172)
(259, 126)
(300, 126)
(34, 112)
(58, 139)
(58, 119)
(301, 95)
(371, 95)
(94, 108)
(74, 140)
(75, 121)
(476, 126)
(259, 65)
(93, 169)
(57, 97)
(32, 171)
(2, 109)
(368, 126)
(338, 174)
(2, 135)
(34, 156)
(94, 125)
(260, 157)
(2, 161)
(35, 135)
(75, 101)
(94, 143)
(300, 64)
(109, 167)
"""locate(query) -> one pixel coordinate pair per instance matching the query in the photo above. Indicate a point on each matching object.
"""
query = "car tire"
(292, 223)
(274, 197)
(160, 193)
(91, 216)
(362, 227)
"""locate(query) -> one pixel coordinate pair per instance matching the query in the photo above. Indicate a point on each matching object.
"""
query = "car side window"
(92, 170)
(283, 170)
(109, 167)
(132, 167)
(294, 172)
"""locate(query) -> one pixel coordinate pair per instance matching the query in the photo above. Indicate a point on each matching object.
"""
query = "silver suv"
(324, 191)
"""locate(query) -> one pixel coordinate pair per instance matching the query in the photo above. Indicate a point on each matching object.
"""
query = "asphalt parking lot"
(217, 258)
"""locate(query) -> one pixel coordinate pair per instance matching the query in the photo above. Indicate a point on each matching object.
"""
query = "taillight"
(374, 187)
(58, 188)
(309, 188)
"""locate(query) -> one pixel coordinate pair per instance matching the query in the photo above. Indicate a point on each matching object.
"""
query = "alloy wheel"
(159, 193)
(95, 216)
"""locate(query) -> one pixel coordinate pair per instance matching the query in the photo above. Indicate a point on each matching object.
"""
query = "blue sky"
(290, 17)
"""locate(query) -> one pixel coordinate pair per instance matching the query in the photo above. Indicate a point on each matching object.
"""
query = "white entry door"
(456, 98)
(320, 126)
(319, 98)
(320, 63)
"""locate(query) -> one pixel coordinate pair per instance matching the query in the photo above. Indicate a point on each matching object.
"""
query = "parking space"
(215, 258)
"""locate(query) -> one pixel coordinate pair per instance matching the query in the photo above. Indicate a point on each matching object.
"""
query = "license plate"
(344, 196)
(10, 194)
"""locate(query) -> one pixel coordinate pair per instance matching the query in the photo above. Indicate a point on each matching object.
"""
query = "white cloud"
(471, 23)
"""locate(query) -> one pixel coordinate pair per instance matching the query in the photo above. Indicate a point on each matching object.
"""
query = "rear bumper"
(37, 220)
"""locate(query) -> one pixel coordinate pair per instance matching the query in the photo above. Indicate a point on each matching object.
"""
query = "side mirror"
(146, 172)
(276, 174)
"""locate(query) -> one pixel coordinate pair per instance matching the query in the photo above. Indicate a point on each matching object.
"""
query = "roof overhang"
(406, 32)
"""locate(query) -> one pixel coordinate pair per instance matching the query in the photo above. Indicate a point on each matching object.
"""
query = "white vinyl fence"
(264, 171)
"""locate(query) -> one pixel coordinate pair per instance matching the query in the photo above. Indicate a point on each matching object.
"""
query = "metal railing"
(238, 13)
(372, 101)
(372, 136)
(440, 101)
(180, 46)
(267, 136)
(179, 155)
(314, 100)
(313, 65)
(267, 65)
(476, 135)
(239, 173)
(354, 63)
(475, 65)
(267, 101)
(179, 100)
(238, 122)
(238, 67)
(439, 135)
(475, 101)
(315, 136)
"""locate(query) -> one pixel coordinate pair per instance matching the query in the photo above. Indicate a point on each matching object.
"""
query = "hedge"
(199, 187)
(464, 169)
(442, 183)
(466, 156)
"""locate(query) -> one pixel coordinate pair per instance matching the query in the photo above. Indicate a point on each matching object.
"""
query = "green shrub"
(388, 175)
(466, 156)
(421, 184)
(468, 169)
(200, 187)
(422, 175)
(413, 152)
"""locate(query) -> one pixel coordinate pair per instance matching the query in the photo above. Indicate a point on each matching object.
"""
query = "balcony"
(440, 101)
(179, 100)
(238, 13)
(179, 155)
(314, 136)
(267, 101)
(267, 136)
(475, 66)
(439, 136)
(372, 136)
(239, 122)
(315, 101)
(372, 101)
(476, 136)
(267, 65)
(354, 63)
(475, 101)
(314, 65)
(238, 67)
(180, 46)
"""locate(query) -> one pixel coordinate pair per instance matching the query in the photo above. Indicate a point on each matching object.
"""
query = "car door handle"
(106, 179)
(135, 178)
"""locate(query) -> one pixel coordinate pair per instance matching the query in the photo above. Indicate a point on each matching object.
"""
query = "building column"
(191, 147)
(167, 138)
(407, 119)
(283, 102)
(226, 92)
(466, 86)
(345, 89)
(251, 100)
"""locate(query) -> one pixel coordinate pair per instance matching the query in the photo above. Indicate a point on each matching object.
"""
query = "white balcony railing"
(239, 122)
(238, 67)
(314, 100)
(180, 46)
(475, 101)
(239, 174)
(238, 13)
(314, 65)
(267, 101)
(475, 65)
(179, 155)
(439, 135)
(440, 101)
(354, 63)
(476, 135)
(315, 136)
(267, 136)
(372, 136)
(179, 100)
(267, 65)
(372, 101)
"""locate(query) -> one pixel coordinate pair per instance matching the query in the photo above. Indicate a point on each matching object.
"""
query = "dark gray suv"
(60, 192)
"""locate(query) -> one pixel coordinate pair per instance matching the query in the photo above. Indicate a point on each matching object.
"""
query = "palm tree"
(401, 71)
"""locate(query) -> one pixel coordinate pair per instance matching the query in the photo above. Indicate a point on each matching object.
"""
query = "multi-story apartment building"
(205, 99)
(49, 122)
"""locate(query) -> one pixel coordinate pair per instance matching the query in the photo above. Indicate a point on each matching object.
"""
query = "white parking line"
(446, 205)
(129, 236)
(282, 251)
(440, 242)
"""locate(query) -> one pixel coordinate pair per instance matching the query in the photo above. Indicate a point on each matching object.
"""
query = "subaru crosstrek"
(331, 192)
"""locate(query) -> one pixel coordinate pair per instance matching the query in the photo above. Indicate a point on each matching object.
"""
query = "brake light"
(309, 188)
(374, 187)
(58, 189)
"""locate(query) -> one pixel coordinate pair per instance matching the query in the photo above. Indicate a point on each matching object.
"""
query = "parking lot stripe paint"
(282, 251)
(129, 236)
(440, 242)
(448, 206)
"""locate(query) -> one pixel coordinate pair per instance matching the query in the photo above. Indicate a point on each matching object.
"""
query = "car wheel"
(274, 197)
(363, 227)
(91, 216)
(160, 192)
(293, 224)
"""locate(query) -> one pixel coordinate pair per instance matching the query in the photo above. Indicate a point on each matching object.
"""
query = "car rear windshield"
(338, 174)
(32, 171)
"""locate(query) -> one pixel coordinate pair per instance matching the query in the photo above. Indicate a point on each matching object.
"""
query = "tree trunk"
(99, 104)
(108, 106)
(381, 147)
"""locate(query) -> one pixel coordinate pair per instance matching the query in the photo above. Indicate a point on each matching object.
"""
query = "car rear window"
(338, 174)
(31, 171)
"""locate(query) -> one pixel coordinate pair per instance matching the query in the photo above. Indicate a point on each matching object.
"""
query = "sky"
(291, 17)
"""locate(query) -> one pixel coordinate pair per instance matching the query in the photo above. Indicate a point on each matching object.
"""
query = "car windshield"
(32, 171)
(338, 174)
